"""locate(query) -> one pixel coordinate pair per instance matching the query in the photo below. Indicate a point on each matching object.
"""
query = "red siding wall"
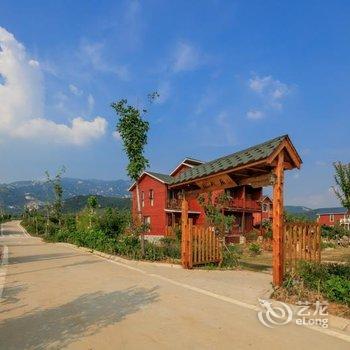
(155, 212)
(325, 219)
(195, 206)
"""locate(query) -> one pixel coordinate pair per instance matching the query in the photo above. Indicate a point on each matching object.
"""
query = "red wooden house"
(161, 206)
(265, 214)
(161, 194)
(334, 216)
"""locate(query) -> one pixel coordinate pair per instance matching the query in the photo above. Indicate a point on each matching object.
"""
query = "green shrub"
(337, 289)
(178, 233)
(332, 280)
(154, 252)
(334, 232)
(252, 236)
(267, 226)
(342, 270)
(231, 255)
(113, 221)
(171, 247)
(129, 246)
(254, 249)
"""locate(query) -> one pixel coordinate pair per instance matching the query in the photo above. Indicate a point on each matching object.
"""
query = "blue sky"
(230, 74)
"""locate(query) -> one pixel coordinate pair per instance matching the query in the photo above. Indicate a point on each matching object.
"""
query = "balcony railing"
(234, 203)
(250, 204)
(174, 203)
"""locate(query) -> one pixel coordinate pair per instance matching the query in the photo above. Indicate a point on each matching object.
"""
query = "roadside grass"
(339, 254)
(310, 281)
(263, 262)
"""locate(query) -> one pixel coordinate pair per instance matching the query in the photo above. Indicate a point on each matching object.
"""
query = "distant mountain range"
(310, 213)
(16, 195)
(77, 203)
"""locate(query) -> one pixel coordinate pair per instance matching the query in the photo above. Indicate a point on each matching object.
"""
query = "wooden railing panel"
(301, 241)
(205, 246)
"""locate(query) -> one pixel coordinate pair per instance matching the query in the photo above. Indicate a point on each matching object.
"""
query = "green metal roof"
(251, 154)
(162, 177)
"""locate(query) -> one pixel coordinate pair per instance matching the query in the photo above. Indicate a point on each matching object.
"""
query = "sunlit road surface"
(57, 297)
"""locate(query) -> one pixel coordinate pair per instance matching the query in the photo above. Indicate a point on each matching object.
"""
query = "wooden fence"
(201, 246)
(206, 246)
(301, 241)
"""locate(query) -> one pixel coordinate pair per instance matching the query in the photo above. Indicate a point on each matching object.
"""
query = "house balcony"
(234, 204)
(174, 203)
(244, 204)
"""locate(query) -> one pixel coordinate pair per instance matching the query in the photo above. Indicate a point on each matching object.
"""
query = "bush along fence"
(109, 231)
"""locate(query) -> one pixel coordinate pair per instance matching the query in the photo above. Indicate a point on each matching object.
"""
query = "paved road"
(56, 297)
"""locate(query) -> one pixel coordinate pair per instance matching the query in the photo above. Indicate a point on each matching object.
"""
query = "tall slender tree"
(342, 180)
(56, 183)
(133, 129)
(92, 204)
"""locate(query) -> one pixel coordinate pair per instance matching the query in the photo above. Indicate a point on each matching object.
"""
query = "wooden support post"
(277, 225)
(189, 244)
(184, 234)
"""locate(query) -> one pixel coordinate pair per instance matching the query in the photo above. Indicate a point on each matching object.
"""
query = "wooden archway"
(263, 172)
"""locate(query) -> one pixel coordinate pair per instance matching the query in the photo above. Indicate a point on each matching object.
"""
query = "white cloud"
(79, 133)
(186, 57)
(33, 63)
(255, 114)
(22, 101)
(75, 90)
(93, 53)
(272, 91)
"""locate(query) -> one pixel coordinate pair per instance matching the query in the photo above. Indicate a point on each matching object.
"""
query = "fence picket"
(301, 242)
(205, 245)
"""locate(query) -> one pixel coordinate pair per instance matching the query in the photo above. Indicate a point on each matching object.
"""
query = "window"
(147, 221)
(151, 197)
(265, 208)
(143, 199)
(331, 217)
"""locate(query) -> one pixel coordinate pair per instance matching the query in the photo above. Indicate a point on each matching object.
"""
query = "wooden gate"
(301, 241)
(199, 244)
(206, 247)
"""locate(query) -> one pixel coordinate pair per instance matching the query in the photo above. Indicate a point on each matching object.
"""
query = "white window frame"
(151, 197)
(142, 199)
(331, 217)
